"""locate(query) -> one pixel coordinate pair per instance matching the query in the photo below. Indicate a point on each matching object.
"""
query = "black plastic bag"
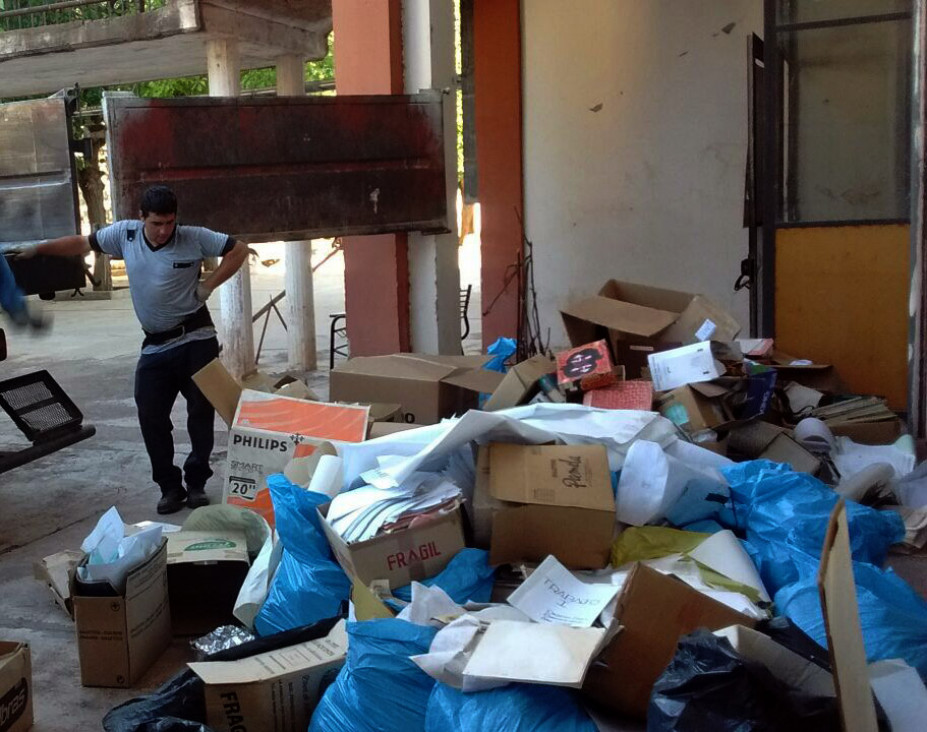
(178, 705)
(709, 686)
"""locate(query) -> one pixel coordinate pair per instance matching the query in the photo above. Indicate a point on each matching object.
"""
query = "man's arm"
(230, 264)
(64, 246)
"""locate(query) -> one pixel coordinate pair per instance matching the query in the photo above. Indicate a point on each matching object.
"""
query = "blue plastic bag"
(784, 515)
(513, 708)
(379, 689)
(309, 584)
(502, 350)
(892, 615)
(468, 576)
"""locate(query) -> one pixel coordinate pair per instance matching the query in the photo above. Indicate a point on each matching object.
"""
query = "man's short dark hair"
(158, 200)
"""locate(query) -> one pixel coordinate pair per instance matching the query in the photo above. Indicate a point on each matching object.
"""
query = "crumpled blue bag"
(784, 515)
(512, 708)
(892, 615)
(309, 584)
(501, 350)
(468, 576)
(379, 689)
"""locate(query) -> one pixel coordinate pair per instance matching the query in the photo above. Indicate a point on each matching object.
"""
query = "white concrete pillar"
(428, 48)
(224, 72)
(301, 345)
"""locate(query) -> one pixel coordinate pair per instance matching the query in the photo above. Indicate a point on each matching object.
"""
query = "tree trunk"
(90, 181)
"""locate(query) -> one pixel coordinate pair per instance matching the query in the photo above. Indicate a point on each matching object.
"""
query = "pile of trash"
(653, 526)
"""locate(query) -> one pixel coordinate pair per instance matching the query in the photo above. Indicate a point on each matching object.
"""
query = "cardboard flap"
(269, 665)
(703, 320)
(482, 381)
(260, 411)
(709, 390)
(459, 362)
(674, 301)
(551, 475)
(220, 388)
(621, 316)
(398, 367)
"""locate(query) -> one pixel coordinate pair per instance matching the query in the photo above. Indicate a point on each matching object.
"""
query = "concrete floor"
(52, 504)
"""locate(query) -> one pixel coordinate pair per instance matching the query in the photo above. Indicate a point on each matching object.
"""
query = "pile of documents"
(367, 511)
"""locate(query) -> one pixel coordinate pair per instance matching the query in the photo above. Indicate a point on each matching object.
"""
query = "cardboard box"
(681, 366)
(690, 410)
(871, 433)
(557, 499)
(520, 383)
(205, 571)
(224, 392)
(275, 691)
(642, 315)
(120, 636)
(483, 507)
(15, 687)
(655, 611)
(269, 430)
(56, 571)
(415, 553)
(583, 361)
(429, 388)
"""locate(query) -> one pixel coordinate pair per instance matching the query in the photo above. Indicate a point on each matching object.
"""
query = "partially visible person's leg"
(200, 421)
(156, 388)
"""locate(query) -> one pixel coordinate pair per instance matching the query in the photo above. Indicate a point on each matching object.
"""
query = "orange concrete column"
(497, 72)
(368, 60)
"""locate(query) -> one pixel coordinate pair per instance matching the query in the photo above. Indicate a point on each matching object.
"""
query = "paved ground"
(52, 504)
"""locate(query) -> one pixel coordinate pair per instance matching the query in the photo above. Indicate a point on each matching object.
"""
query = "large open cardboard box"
(205, 571)
(120, 636)
(415, 553)
(429, 388)
(277, 690)
(643, 316)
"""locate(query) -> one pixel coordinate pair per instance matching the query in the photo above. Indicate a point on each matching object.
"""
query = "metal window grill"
(38, 406)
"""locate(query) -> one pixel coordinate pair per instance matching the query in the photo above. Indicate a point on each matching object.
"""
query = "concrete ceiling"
(160, 44)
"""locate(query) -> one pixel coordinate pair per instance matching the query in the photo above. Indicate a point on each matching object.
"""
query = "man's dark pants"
(159, 378)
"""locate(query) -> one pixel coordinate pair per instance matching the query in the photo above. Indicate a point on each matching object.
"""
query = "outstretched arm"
(64, 246)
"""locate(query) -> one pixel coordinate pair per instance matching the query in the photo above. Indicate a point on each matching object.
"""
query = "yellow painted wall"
(842, 298)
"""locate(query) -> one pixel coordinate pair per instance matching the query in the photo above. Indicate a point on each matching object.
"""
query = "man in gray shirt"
(163, 264)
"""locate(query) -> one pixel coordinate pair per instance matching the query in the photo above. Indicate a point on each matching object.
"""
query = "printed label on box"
(706, 331)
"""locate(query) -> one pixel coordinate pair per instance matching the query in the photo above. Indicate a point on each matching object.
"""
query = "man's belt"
(199, 319)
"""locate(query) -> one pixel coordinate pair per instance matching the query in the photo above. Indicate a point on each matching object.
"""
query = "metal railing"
(21, 14)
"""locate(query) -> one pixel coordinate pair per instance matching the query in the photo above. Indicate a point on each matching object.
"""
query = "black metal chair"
(338, 333)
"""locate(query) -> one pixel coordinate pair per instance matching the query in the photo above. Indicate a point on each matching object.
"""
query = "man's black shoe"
(196, 497)
(172, 502)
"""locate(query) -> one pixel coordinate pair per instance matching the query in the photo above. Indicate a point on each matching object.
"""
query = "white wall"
(650, 187)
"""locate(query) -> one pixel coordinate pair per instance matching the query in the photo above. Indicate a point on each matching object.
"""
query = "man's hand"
(203, 291)
(27, 251)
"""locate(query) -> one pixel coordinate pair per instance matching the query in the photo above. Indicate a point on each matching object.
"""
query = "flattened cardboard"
(382, 429)
(205, 571)
(520, 383)
(783, 449)
(275, 691)
(483, 506)
(270, 430)
(429, 388)
(16, 703)
(557, 500)
(120, 637)
(415, 553)
(655, 611)
(871, 433)
(841, 619)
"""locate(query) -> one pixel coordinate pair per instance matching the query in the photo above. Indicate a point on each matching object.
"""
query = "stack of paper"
(363, 513)
(855, 409)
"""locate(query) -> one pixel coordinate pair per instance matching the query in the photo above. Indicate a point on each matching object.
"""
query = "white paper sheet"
(552, 594)
(900, 691)
(851, 457)
(388, 461)
(534, 653)
(428, 603)
(651, 483)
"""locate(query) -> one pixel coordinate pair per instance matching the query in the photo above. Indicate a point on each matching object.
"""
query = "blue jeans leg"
(11, 297)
